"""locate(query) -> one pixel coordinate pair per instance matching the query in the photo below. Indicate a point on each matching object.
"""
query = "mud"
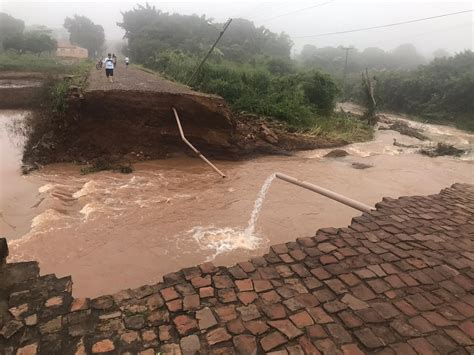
(19, 90)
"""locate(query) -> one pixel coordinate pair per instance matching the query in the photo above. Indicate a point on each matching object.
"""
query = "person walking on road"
(127, 60)
(109, 68)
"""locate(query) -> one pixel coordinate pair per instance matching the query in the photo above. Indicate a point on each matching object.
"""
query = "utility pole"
(347, 49)
(210, 51)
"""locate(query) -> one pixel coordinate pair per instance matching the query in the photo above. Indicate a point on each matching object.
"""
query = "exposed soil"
(132, 119)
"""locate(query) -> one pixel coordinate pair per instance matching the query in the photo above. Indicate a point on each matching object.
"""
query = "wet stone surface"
(398, 280)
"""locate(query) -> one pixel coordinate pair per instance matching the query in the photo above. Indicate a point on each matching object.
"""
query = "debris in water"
(395, 143)
(405, 129)
(361, 166)
(336, 153)
(441, 149)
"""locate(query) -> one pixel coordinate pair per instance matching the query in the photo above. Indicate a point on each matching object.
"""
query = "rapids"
(112, 231)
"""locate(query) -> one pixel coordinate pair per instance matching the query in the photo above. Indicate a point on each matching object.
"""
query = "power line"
(296, 11)
(384, 26)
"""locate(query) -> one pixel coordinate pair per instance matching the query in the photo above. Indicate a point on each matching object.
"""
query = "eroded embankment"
(20, 90)
(132, 119)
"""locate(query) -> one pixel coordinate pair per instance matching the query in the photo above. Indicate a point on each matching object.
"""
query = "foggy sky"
(454, 33)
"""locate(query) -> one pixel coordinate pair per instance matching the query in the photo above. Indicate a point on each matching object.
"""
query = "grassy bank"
(32, 63)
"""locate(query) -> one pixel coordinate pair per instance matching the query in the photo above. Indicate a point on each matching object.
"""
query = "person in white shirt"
(127, 60)
(109, 68)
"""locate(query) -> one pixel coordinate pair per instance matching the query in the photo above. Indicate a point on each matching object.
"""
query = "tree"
(321, 91)
(9, 27)
(83, 32)
(441, 53)
(38, 42)
(34, 42)
(407, 57)
(150, 31)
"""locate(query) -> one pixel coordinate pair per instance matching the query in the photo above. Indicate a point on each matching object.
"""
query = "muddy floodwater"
(112, 231)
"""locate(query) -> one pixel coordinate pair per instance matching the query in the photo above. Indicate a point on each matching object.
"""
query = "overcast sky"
(454, 33)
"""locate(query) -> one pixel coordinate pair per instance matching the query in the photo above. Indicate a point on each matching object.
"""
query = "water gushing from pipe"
(258, 205)
(227, 239)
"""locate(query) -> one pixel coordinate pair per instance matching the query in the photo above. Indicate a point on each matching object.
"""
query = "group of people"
(110, 63)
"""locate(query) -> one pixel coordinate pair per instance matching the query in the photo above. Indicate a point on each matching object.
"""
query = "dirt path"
(136, 79)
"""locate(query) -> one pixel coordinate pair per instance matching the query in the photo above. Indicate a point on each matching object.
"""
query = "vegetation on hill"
(251, 67)
(13, 37)
(440, 91)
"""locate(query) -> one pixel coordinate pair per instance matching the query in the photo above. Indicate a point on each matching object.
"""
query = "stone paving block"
(399, 280)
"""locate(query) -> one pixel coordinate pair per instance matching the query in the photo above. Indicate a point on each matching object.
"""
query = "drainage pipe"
(192, 147)
(328, 193)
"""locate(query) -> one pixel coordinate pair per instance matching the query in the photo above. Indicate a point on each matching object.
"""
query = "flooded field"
(111, 231)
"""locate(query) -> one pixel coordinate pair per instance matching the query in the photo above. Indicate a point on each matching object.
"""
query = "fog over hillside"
(303, 20)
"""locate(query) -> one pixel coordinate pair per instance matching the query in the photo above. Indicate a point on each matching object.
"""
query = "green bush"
(265, 87)
(440, 91)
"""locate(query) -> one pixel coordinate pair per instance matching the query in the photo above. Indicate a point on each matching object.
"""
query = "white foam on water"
(88, 188)
(46, 217)
(90, 208)
(226, 239)
(222, 240)
(46, 188)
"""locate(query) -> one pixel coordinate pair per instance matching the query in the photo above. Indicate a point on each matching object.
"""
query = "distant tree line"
(149, 30)
(440, 91)
(38, 39)
(14, 37)
(332, 59)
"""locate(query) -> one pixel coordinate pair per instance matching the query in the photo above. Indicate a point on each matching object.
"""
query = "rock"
(149, 337)
(30, 349)
(170, 349)
(103, 302)
(190, 345)
(218, 335)
(11, 328)
(158, 317)
(31, 320)
(191, 302)
(361, 166)
(336, 153)
(110, 315)
(245, 344)
(164, 332)
(52, 326)
(129, 337)
(185, 324)
(154, 301)
(142, 292)
(135, 322)
(18, 311)
(249, 312)
(286, 327)
(54, 301)
(79, 304)
(205, 318)
(103, 346)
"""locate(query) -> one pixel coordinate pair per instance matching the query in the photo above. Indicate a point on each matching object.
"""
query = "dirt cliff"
(132, 118)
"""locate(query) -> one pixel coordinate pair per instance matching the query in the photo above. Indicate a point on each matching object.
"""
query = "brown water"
(113, 231)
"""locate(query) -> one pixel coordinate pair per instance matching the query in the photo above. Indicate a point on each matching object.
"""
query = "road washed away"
(112, 231)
